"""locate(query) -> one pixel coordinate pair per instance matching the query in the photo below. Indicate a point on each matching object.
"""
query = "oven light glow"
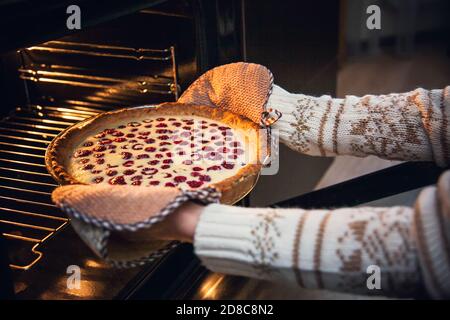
(93, 264)
(209, 289)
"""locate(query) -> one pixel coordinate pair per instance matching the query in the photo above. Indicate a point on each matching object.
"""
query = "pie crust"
(59, 153)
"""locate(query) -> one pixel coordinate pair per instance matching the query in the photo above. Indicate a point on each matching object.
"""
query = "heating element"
(27, 216)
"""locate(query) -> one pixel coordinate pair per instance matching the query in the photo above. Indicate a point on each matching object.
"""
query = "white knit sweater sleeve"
(399, 126)
(335, 249)
(311, 249)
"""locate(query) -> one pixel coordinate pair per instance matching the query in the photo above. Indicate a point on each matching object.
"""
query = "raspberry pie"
(172, 145)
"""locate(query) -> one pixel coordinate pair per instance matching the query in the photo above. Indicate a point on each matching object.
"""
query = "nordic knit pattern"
(329, 249)
(398, 126)
(332, 249)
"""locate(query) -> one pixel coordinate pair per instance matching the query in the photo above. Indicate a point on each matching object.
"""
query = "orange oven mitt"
(115, 221)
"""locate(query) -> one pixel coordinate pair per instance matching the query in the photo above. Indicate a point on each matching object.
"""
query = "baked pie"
(171, 145)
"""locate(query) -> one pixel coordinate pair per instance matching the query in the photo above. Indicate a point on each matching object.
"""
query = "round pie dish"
(234, 184)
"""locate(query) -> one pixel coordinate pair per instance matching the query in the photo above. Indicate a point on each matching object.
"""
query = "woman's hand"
(180, 225)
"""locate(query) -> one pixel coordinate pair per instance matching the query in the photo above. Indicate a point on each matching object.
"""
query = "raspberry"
(97, 179)
(88, 167)
(111, 173)
(82, 153)
(137, 146)
(185, 134)
(142, 156)
(150, 149)
(204, 178)
(126, 155)
(129, 172)
(149, 171)
(194, 184)
(105, 141)
(117, 180)
(180, 179)
(228, 165)
(163, 131)
(128, 163)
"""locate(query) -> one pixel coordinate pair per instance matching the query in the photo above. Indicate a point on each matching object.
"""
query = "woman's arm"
(399, 126)
(329, 249)
(321, 249)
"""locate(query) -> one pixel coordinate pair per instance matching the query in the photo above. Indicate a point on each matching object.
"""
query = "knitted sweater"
(346, 249)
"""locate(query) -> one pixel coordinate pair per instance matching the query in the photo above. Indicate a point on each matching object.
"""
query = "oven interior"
(145, 57)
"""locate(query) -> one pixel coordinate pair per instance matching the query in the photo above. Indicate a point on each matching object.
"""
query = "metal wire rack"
(28, 218)
(163, 83)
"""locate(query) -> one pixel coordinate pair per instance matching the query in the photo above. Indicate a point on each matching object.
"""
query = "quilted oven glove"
(242, 88)
(116, 222)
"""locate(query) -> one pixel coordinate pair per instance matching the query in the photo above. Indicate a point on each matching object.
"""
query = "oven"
(127, 53)
(131, 53)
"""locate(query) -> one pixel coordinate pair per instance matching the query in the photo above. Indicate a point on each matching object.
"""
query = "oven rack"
(165, 83)
(27, 216)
